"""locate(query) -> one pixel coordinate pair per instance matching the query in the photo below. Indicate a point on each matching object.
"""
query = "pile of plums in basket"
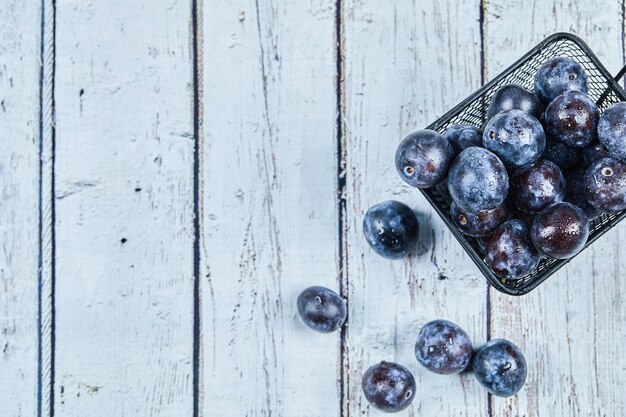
(442, 347)
(528, 183)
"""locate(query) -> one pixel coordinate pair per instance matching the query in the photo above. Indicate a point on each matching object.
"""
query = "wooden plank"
(268, 206)
(405, 65)
(124, 209)
(19, 210)
(571, 327)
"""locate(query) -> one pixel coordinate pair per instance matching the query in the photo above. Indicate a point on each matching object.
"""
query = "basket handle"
(620, 74)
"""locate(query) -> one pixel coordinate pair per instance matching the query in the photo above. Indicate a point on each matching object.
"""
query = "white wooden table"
(175, 172)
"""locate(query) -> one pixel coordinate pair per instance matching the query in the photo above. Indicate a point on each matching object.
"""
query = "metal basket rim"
(492, 279)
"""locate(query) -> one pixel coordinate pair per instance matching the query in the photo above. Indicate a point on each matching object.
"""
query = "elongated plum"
(478, 180)
(321, 309)
(423, 158)
(516, 137)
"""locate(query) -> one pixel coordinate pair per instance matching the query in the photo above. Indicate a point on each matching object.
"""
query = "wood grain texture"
(269, 219)
(19, 206)
(405, 65)
(572, 327)
(124, 209)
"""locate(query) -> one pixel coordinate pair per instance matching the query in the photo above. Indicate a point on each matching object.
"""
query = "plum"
(516, 137)
(462, 137)
(321, 309)
(391, 229)
(575, 193)
(560, 231)
(566, 157)
(591, 153)
(537, 186)
(478, 180)
(423, 157)
(443, 347)
(500, 367)
(572, 118)
(388, 386)
(612, 130)
(605, 185)
(514, 96)
(509, 251)
(558, 75)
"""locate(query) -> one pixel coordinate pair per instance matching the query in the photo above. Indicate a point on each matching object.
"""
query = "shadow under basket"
(603, 89)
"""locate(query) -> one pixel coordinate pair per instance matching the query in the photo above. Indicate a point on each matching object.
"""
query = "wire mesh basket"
(603, 89)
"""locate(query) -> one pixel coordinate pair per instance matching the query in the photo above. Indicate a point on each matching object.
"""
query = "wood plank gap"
(623, 21)
(47, 247)
(342, 247)
(196, 18)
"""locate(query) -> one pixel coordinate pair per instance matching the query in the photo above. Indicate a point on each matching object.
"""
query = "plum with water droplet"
(557, 76)
(321, 309)
(478, 180)
(500, 367)
(537, 186)
(423, 157)
(612, 130)
(391, 229)
(481, 223)
(516, 137)
(560, 231)
(509, 251)
(388, 386)
(572, 118)
(605, 185)
(514, 96)
(443, 347)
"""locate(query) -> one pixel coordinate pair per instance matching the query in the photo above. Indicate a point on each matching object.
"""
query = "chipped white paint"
(573, 326)
(268, 209)
(400, 77)
(19, 207)
(124, 209)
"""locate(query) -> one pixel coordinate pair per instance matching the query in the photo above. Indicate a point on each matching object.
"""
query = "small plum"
(423, 157)
(321, 309)
(443, 347)
(560, 231)
(557, 76)
(391, 229)
(388, 386)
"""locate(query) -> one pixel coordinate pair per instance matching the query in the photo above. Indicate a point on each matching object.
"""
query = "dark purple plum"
(557, 76)
(516, 137)
(612, 130)
(500, 367)
(513, 96)
(572, 118)
(560, 231)
(509, 252)
(423, 158)
(605, 185)
(322, 309)
(443, 347)
(537, 186)
(388, 386)
(575, 193)
(462, 137)
(479, 224)
(442, 190)
(592, 153)
(391, 229)
(478, 180)
(564, 156)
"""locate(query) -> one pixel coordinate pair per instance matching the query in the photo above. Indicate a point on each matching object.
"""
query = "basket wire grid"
(603, 89)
